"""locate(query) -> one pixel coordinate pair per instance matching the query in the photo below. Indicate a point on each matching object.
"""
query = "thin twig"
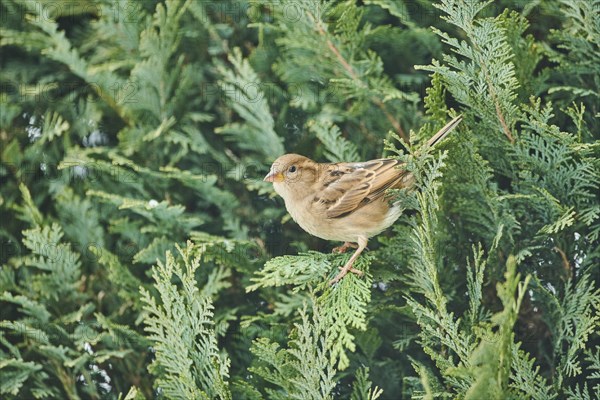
(393, 121)
(565, 260)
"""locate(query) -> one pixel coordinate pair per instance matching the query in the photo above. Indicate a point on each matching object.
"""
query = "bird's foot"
(343, 271)
(344, 247)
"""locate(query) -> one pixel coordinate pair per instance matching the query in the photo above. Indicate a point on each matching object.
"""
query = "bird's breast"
(367, 221)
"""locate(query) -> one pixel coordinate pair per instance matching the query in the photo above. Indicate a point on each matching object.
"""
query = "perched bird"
(343, 201)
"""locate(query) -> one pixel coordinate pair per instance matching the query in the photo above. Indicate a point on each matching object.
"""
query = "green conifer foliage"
(142, 256)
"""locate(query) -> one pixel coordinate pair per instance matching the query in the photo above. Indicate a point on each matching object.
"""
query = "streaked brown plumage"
(343, 201)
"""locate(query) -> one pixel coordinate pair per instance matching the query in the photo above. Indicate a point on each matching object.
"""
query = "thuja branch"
(494, 97)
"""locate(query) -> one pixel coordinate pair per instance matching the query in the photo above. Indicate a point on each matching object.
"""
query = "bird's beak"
(274, 177)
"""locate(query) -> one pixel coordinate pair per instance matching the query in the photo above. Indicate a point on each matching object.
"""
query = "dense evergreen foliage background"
(143, 257)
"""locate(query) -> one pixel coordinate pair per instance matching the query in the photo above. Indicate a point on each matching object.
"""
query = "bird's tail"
(441, 134)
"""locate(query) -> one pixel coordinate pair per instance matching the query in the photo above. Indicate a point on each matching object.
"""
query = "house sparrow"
(343, 201)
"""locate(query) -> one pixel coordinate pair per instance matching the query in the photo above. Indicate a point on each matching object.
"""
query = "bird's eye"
(292, 169)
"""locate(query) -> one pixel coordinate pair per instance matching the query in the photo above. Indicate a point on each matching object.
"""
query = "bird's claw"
(343, 272)
(342, 249)
(353, 270)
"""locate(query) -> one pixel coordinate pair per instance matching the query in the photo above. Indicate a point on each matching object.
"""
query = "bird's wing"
(346, 187)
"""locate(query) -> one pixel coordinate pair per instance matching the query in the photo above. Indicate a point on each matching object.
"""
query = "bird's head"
(292, 176)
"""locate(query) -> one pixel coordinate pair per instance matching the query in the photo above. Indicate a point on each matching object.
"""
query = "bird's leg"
(344, 247)
(362, 243)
